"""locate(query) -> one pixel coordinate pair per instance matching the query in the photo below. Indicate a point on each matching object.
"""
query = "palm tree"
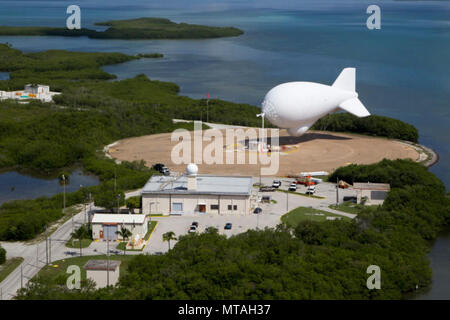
(79, 234)
(169, 236)
(125, 234)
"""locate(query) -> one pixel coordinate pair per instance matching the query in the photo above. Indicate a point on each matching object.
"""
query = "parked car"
(158, 167)
(195, 223)
(192, 229)
(165, 171)
(310, 190)
(228, 226)
(266, 199)
(257, 210)
(293, 187)
(351, 199)
(276, 183)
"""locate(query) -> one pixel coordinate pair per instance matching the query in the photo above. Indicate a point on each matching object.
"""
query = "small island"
(141, 28)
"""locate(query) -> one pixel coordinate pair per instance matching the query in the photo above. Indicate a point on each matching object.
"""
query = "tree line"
(372, 125)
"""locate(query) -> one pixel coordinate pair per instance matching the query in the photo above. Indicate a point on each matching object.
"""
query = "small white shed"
(103, 272)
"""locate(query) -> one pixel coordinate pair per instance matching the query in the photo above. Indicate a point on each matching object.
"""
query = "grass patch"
(348, 207)
(301, 194)
(57, 271)
(75, 244)
(293, 217)
(151, 227)
(9, 266)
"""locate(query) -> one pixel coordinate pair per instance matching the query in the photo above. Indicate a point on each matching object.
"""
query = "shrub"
(2, 255)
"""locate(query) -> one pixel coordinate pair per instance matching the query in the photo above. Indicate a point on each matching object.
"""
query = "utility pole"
(64, 191)
(46, 249)
(287, 201)
(107, 262)
(49, 249)
(337, 191)
(118, 199)
(115, 177)
(257, 221)
(90, 203)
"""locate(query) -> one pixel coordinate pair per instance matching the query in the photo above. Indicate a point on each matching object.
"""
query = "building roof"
(371, 186)
(206, 184)
(118, 218)
(102, 265)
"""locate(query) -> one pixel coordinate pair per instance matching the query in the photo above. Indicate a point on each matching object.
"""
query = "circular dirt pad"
(313, 151)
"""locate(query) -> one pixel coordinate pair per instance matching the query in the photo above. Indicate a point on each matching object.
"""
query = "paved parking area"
(270, 216)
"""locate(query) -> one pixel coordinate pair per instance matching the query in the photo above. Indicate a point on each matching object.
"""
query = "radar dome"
(191, 169)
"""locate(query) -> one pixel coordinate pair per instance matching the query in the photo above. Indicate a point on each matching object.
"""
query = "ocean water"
(17, 186)
(403, 70)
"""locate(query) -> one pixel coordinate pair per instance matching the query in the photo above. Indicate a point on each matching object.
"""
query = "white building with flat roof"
(372, 193)
(105, 226)
(194, 193)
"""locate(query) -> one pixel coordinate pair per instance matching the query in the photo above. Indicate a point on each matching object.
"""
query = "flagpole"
(207, 107)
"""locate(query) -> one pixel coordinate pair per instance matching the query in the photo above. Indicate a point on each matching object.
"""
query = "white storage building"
(105, 226)
(373, 193)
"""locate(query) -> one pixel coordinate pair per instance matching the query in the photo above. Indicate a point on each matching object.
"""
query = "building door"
(202, 208)
(110, 232)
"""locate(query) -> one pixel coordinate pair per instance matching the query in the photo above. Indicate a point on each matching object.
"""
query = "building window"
(235, 207)
(214, 207)
(230, 207)
(177, 206)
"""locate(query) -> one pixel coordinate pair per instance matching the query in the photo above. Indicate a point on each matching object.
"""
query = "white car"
(293, 187)
(276, 183)
(310, 190)
(192, 229)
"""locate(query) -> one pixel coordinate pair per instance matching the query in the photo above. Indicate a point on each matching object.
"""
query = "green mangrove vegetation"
(372, 125)
(141, 28)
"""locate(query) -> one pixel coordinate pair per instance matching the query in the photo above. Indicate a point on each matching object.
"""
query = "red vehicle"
(306, 181)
